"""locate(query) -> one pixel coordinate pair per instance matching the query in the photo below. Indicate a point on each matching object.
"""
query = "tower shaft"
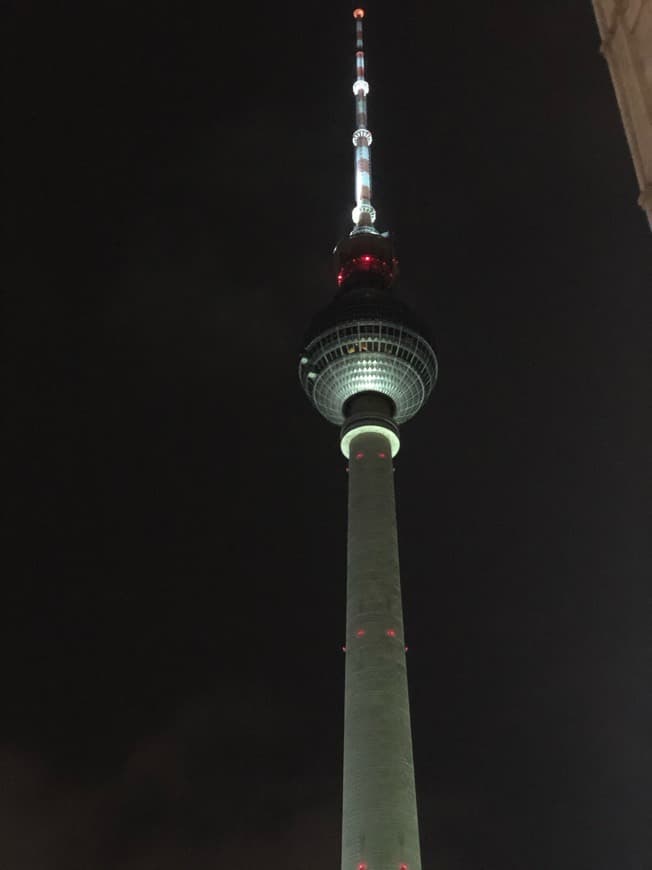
(380, 828)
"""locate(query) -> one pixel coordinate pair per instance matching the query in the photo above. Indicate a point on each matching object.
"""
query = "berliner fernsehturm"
(368, 367)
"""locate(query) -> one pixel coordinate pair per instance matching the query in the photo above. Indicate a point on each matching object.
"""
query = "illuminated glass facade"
(357, 356)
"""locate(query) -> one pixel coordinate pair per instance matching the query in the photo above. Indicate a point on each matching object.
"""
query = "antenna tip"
(358, 13)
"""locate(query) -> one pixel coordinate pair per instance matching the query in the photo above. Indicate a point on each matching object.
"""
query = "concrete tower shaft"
(380, 827)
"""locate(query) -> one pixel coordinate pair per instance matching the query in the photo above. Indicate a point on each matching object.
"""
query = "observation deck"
(367, 340)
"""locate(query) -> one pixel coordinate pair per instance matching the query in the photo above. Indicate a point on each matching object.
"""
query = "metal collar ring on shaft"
(369, 412)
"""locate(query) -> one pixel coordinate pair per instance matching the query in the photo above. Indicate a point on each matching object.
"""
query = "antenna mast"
(364, 214)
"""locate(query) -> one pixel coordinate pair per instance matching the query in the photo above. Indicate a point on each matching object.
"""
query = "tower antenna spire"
(364, 214)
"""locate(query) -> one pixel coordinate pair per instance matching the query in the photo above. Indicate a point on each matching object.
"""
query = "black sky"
(173, 598)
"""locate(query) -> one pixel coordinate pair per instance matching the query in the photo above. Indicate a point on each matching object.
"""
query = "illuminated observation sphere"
(366, 341)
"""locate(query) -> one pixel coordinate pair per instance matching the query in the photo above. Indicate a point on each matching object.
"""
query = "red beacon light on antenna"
(359, 13)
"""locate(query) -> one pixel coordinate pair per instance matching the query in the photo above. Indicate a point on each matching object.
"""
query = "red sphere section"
(366, 257)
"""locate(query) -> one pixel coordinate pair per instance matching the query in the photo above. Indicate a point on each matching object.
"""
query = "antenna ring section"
(363, 208)
(364, 134)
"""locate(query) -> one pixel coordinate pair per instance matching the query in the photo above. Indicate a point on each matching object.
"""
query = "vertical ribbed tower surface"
(626, 31)
(369, 366)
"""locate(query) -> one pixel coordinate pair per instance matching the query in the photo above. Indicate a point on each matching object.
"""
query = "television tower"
(368, 367)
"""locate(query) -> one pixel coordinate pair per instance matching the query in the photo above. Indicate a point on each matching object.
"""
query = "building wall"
(626, 31)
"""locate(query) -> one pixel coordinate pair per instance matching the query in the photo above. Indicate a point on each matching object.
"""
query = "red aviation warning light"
(367, 257)
(358, 13)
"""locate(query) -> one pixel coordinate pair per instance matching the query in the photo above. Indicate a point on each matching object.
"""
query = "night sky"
(174, 586)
